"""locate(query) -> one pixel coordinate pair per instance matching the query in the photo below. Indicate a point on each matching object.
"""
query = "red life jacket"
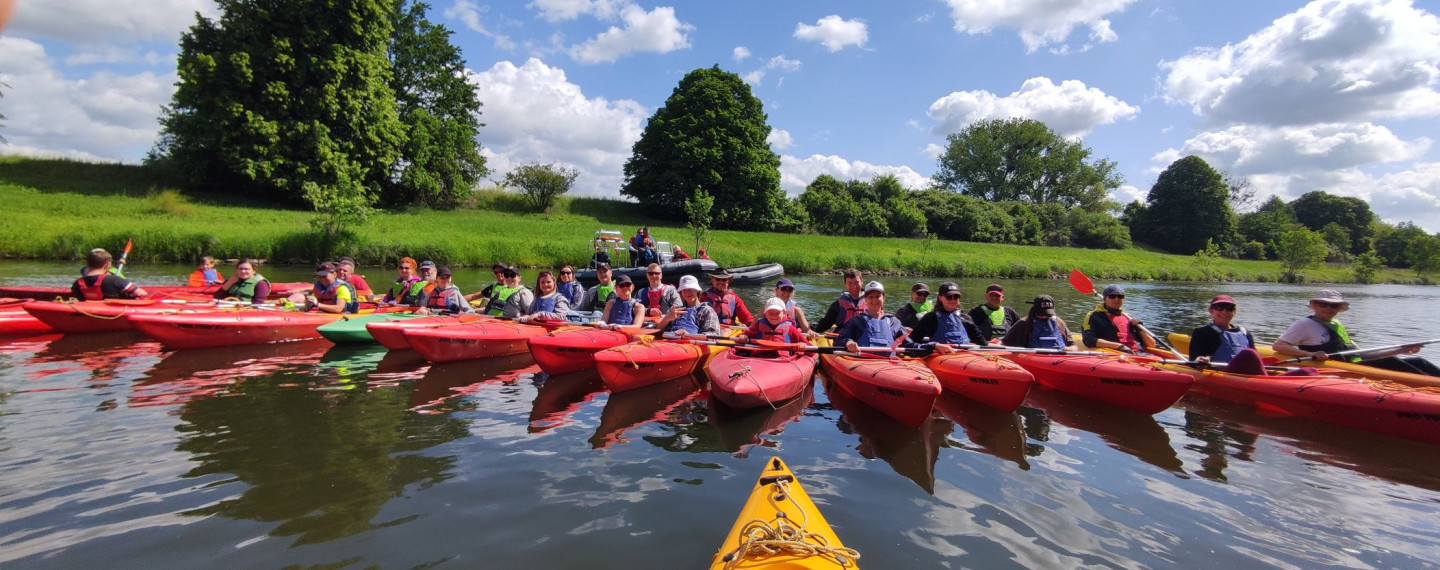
(1122, 325)
(851, 308)
(91, 293)
(724, 305)
(653, 295)
(785, 331)
(437, 302)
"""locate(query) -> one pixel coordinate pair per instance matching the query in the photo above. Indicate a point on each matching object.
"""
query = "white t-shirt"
(1306, 332)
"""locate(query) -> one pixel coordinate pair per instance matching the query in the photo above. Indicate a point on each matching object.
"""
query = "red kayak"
(648, 361)
(230, 328)
(277, 290)
(479, 338)
(986, 378)
(14, 321)
(903, 389)
(763, 379)
(1113, 379)
(573, 348)
(71, 317)
(391, 334)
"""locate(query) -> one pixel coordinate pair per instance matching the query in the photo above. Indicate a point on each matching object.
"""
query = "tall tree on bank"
(1187, 207)
(710, 134)
(1315, 209)
(288, 100)
(1024, 160)
(440, 161)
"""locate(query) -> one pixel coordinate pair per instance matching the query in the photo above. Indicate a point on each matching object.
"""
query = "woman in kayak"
(407, 286)
(206, 274)
(947, 324)
(623, 309)
(445, 298)
(518, 297)
(569, 287)
(245, 285)
(785, 291)
(1220, 340)
(692, 316)
(550, 305)
(873, 328)
(1040, 328)
(331, 295)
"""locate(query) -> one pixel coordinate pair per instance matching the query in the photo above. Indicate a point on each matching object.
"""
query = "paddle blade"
(779, 345)
(129, 243)
(1081, 283)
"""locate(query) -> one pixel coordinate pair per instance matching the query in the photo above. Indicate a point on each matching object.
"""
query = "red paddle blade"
(1081, 283)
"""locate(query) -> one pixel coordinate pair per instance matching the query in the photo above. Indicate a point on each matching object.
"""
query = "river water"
(115, 452)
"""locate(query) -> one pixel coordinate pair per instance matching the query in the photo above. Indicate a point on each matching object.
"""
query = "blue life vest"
(1231, 343)
(950, 328)
(687, 321)
(1045, 333)
(572, 291)
(878, 332)
(621, 313)
(544, 304)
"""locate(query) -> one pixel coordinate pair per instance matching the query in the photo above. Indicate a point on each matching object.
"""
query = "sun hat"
(1331, 296)
(774, 304)
(689, 283)
(722, 274)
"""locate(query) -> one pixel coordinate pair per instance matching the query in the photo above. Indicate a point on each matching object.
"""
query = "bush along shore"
(58, 210)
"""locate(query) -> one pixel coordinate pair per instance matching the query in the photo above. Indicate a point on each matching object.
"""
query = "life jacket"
(1045, 333)
(724, 305)
(205, 277)
(439, 300)
(688, 321)
(544, 304)
(602, 294)
(403, 292)
(950, 328)
(997, 319)
(878, 332)
(498, 296)
(652, 295)
(1337, 340)
(646, 256)
(245, 290)
(1231, 343)
(621, 313)
(790, 310)
(1122, 329)
(785, 331)
(92, 292)
(571, 290)
(850, 308)
(329, 296)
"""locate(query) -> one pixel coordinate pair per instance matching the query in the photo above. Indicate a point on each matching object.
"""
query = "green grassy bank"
(60, 209)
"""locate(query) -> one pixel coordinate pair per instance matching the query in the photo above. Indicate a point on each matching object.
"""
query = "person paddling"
(407, 286)
(1321, 333)
(569, 287)
(691, 316)
(874, 328)
(98, 282)
(657, 297)
(246, 284)
(919, 305)
(992, 316)
(845, 307)
(1109, 326)
(595, 299)
(1041, 328)
(947, 324)
(444, 298)
(549, 305)
(785, 291)
(726, 303)
(623, 309)
(331, 295)
(206, 275)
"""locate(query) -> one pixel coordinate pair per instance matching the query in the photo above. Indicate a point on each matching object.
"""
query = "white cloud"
(1330, 61)
(797, 173)
(834, 32)
(534, 113)
(754, 77)
(555, 11)
(1251, 149)
(779, 139)
(1413, 195)
(100, 21)
(469, 13)
(1039, 22)
(112, 53)
(656, 31)
(780, 62)
(100, 116)
(1070, 108)
(932, 150)
(740, 53)
(1128, 193)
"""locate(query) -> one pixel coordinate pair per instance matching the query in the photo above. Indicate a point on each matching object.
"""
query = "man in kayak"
(992, 316)
(511, 300)
(331, 295)
(1040, 328)
(569, 287)
(785, 291)
(427, 273)
(1109, 326)
(489, 291)
(597, 296)
(874, 328)
(623, 310)
(657, 297)
(947, 324)
(445, 298)
(1321, 333)
(549, 304)
(845, 307)
(726, 303)
(910, 313)
(98, 283)
(407, 286)
(692, 316)
(774, 325)
(245, 285)
(206, 274)
(345, 268)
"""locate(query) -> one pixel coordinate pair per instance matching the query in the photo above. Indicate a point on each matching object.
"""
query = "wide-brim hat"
(722, 274)
(1331, 296)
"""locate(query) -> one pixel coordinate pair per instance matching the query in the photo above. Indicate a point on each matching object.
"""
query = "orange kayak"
(901, 388)
(391, 334)
(277, 290)
(573, 348)
(1119, 380)
(648, 361)
(479, 338)
(986, 378)
(230, 328)
(71, 317)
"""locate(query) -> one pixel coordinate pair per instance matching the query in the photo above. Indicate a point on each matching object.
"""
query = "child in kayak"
(206, 275)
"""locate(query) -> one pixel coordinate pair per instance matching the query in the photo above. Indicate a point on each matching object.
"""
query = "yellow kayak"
(1181, 342)
(781, 528)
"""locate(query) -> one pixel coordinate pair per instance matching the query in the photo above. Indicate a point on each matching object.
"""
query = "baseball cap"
(510, 271)
(1221, 299)
(623, 280)
(774, 304)
(498, 267)
(444, 271)
(324, 269)
(1114, 290)
(994, 287)
(872, 286)
(604, 266)
(919, 288)
(783, 282)
(1043, 304)
(427, 264)
(689, 282)
(948, 287)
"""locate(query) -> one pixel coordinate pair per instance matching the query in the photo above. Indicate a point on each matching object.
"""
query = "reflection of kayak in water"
(991, 431)
(626, 410)
(444, 381)
(740, 428)
(561, 395)
(910, 450)
(1127, 431)
(185, 375)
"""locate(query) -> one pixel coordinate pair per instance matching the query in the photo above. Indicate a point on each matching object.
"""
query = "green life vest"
(245, 290)
(406, 293)
(922, 308)
(997, 318)
(498, 296)
(1339, 331)
(602, 294)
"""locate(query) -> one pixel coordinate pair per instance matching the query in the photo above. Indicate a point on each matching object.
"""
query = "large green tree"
(710, 134)
(1187, 207)
(440, 160)
(1391, 242)
(1315, 209)
(1265, 225)
(1024, 160)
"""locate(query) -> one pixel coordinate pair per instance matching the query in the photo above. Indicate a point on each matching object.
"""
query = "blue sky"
(1330, 95)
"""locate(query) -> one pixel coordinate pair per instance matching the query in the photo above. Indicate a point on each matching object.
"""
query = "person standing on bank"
(1109, 326)
(992, 316)
(910, 313)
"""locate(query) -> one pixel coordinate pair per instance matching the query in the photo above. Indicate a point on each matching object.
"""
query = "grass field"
(58, 209)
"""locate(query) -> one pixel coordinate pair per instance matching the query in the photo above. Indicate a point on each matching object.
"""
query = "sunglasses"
(1223, 307)
(951, 297)
(652, 273)
(1114, 296)
(787, 289)
(922, 293)
(1328, 305)
(567, 272)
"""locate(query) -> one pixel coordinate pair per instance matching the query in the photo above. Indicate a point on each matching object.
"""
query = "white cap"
(774, 304)
(872, 286)
(690, 282)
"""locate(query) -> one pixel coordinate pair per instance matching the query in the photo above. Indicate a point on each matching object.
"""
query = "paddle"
(120, 265)
(1083, 284)
(1364, 350)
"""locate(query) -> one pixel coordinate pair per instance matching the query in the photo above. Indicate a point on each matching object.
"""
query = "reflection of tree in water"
(322, 464)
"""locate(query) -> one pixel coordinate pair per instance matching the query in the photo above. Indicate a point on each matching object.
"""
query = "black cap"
(994, 287)
(443, 272)
(324, 269)
(605, 266)
(947, 288)
(498, 267)
(347, 258)
(919, 287)
(1043, 304)
(510, 271)
(623, 280)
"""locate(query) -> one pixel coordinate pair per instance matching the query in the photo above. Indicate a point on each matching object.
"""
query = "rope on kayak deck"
(760, 538)
(72, 304)
(745, 371)
(624, 349)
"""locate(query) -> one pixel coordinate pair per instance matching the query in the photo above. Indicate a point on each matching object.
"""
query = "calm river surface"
(117, 453)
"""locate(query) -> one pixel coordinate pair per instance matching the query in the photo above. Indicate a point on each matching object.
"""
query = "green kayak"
(351, 330)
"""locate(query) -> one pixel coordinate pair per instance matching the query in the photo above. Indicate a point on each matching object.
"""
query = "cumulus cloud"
(1330, 61)
(1413, 195)
(534, 113)
(1071, 108)
(555, 11)
(740, 53)
(1039, 22)
(779, 62)
(779, 139)
(101, 116)
(834, 32)
(100, 21)
(469, 13)
(655, 31)
(796, 173)
(1252, 149)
